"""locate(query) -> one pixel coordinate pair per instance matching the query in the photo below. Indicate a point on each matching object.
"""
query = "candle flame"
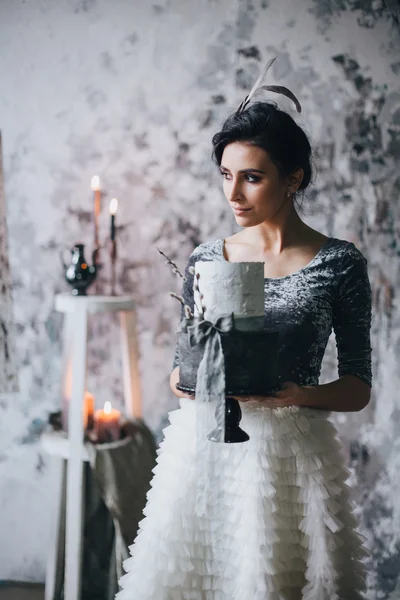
(95, 183)
(107, 407)
(113, 206)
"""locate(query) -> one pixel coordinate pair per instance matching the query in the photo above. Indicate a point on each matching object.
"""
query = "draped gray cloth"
(122, 472)
(116, 483)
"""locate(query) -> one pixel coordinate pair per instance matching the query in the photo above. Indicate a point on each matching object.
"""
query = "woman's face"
(252, 184)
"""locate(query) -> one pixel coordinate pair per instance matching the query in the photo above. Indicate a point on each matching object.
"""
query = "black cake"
(251, 360)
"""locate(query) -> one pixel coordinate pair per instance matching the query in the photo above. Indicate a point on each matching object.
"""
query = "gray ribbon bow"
(210, 385)
(211, 372)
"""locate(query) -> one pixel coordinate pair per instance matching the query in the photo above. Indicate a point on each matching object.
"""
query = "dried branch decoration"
(187, 310)
(197, 289)
(278, 89)
(181, 300)
(175, 269)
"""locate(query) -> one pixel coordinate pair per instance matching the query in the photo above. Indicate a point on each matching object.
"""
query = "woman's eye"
(252, 178)
(248, 177)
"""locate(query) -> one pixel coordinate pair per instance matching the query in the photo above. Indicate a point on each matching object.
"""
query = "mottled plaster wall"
(133, 92)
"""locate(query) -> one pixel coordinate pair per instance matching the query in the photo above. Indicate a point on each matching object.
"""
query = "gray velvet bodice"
(332, 291)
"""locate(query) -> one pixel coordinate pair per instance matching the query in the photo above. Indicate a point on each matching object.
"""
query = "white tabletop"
(94, 304)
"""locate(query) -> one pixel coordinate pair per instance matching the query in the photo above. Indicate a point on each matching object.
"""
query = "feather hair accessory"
(278, 89)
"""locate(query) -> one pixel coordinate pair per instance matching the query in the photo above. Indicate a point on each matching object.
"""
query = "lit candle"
(97, 205)
(113, 212)
(88, 403)
(88, 410)
(107, 424)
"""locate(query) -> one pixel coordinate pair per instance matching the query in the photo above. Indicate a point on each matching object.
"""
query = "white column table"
(69, 448)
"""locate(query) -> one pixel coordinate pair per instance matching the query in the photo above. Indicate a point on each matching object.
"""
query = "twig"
(176, 271)
(173, 265)
(181, 300)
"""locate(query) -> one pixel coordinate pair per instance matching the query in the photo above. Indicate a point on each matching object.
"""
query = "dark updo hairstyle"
(264, 125)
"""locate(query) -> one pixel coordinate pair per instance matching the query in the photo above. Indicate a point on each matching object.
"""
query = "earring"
(288, 193)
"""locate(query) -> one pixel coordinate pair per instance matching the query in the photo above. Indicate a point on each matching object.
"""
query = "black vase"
(79, 274)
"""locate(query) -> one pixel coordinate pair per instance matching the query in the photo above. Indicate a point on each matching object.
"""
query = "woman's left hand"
(289, 395)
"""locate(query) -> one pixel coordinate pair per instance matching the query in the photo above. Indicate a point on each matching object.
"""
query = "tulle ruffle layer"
(279, 524)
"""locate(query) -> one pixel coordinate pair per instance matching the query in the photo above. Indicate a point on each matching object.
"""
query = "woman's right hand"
(268, 401)
(173, 380)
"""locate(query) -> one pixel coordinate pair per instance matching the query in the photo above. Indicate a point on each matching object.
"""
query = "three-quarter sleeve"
(351, 317)
(188, 297)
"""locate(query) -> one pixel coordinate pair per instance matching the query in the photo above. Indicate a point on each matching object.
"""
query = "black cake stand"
(233, 432)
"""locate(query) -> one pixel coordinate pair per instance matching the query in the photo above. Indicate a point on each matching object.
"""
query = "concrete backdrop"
(133, 92)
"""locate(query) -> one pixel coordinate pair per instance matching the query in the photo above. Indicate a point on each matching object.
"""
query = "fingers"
(185, 395)
(241, 398)
(253, 398)
(267, 401)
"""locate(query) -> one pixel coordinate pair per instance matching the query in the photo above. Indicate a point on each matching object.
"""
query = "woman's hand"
(290, 394)
(185, 394)
(173, 380)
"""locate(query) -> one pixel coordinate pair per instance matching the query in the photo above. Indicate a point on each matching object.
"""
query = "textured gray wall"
(133, 92)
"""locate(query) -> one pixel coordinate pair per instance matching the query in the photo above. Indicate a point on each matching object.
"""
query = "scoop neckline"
(326, 243)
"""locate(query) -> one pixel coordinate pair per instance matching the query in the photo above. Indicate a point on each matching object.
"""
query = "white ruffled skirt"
(280, 528)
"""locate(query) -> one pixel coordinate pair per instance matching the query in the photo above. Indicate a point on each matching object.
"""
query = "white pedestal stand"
(71, 447)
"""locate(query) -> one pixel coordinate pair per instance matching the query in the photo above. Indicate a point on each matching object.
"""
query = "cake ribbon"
(210, 386)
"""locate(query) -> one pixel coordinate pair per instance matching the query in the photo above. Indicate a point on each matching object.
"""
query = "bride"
(282, 526)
